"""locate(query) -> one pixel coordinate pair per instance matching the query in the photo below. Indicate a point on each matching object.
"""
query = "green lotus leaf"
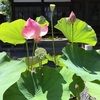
(93, 89)
(35, 61)
(51, 59)
(81, 33)
(85, 63)
(10, 72)
(42, 21)
(77, 86)
(11, 32)
(42, 85)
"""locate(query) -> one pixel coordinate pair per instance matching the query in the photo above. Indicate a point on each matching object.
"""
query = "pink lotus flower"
(44, 31)
(38, 39)
(33, 30)
(72, 17)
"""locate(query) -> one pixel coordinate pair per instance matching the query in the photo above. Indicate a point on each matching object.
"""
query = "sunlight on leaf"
(93, 89)
(51, 58)
(35, 61)
(43, 85)
(85, 63)
(82, 32)
(12, 32)
(42, 21)
(10, 72)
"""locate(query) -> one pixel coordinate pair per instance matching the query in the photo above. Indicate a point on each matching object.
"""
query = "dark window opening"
(33, 10)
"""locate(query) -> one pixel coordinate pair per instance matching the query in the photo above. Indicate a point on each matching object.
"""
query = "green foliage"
(42, 21)
(35, 61)
(79, 32)
(12, 32)
(42, 85)
(5, 9)
(93, 89)
(10, 72)
(51, 58)
(77, 86)
(33, 79)
(82, 62)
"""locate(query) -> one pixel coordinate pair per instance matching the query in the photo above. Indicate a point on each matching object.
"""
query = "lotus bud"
(72, 17)
(52, 7)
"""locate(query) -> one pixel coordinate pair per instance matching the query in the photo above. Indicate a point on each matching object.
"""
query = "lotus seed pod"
(52, 7)
(40, 53)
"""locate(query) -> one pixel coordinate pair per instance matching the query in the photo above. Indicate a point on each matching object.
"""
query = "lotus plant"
(33, 77)
(33, 30)
(52, 7)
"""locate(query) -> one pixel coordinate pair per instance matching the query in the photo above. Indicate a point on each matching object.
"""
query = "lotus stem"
(72, 40)
(40, 63)
(33, 54)
(72, 32)
(53, 45)
(34, 80)
(27, 50)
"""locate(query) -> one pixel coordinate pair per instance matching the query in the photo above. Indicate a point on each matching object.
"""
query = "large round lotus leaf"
(93, 89)
(85, 63)
(79, 32)
(77, 86)
(47, 84)
(12, 32)
(10, 72)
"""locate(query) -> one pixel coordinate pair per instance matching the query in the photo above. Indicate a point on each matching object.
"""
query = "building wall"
(41, 0)
(27, 0)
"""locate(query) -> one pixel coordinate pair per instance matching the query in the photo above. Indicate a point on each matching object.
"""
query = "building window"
(35, 9)
(26, 12)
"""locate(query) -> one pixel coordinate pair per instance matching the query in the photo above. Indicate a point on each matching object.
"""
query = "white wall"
(40, 0)
(27, 0)
(57, 0)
